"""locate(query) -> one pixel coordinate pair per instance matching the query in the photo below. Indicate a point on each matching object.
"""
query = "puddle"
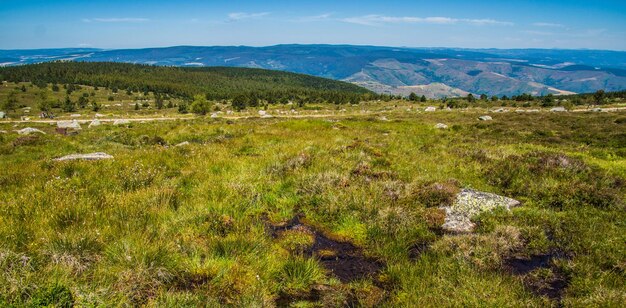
(342, 259)
(551, 284)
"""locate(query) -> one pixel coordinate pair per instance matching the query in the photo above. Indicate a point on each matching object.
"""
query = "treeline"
(247, 85)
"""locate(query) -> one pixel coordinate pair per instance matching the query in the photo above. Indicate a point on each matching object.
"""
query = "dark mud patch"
(342, 259)
(540, 274)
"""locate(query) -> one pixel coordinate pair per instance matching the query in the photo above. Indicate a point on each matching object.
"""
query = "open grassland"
(339, 211)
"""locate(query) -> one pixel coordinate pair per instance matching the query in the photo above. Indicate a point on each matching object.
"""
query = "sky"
(114, 24)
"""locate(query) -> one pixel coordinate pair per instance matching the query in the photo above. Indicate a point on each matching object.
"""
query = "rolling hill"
(434, 72)
(215, 82)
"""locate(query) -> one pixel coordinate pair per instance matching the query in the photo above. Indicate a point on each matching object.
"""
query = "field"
(339, 210)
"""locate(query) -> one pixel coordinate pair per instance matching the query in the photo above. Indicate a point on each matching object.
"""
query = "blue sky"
(471, 24)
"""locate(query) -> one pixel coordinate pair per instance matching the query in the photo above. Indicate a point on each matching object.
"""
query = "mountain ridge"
(386, 69)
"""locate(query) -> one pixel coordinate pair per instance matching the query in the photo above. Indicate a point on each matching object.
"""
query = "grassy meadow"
(210, 223)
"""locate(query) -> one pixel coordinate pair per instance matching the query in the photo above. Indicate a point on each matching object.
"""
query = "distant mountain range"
(434, 72)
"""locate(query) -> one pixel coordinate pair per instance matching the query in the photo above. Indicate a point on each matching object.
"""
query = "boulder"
(558, 109)
(441, 126)
(29, 130)
(2, 114)
(214, 115)
(90, 156)
(184, 143)
(69, 124)
(485, 118)
(121, 122)
(468, 204)
(430, 109)
(94, 123)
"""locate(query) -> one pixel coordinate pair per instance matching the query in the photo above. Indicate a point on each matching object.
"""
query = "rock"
(430, 109)
(214, 115)
(520, 110)
(2, 114)
(3, 131)
(28, 131)
(121, 122)
(558, 109)
(94, 123)
(99, 115)
(69, 124)
(597, 110)
(468, 204)
(262, 112)
(384, 118)
(90, 156)
(441, 126)
(76, 115)
(184, 143)
(266, 116)
(485, 118)
(499, 110)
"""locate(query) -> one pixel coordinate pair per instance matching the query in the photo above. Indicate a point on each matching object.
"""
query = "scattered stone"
(499, 110)
(99, 115)
(267, 116)
(121, 122)
(384, 118)
(441, 126)
(520, 110)
(2, 114)
(76, 115)
(558, 109)
(184, 143)
(214, 115)
(262, 112)
(468, 204)
(90, 156)
(94, 123)
(3, 131)
(28, 131)
(533, 110)
(68, 124)
(430, 109)
(485, 118)
(597, 110)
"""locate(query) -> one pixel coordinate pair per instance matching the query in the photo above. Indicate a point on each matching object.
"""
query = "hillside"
(388, 69)
(215, 82)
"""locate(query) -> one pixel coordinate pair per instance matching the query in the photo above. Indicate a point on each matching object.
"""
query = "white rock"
(266, 116)
(214, 115)
(441, 126)
(90, 156)
(3, 131)
(2, 114)
(69, 124)
(99, 115)
(533, 110)
(262, 112)
(485, 118)
(500, 110)
(121, 122)
(384, 118)
(430, 109)
(558, 109)
(470, 203)
(94, 123)
(184, 143)
(29, 130)
(76, 115)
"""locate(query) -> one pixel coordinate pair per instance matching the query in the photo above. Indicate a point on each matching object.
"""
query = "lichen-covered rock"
(90, 156)
(69, 124)
(29, 130)
(468, 204)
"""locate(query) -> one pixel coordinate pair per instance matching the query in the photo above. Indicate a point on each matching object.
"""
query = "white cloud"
(321, 17)
(115, 19)
(241, 15)
(548, 24)
(372, 20)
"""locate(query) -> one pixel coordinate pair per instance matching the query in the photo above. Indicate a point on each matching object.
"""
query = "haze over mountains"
(433, 72)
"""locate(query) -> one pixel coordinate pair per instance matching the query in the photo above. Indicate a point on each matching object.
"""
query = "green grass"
(187, 226)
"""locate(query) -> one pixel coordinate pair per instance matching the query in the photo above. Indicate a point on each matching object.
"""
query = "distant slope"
(215, 82)
(389, 69)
